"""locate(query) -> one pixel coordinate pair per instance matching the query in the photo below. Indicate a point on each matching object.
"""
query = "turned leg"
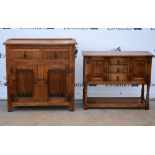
(71, 107)
(85, 97)
(10, 96)
(142, 93)
(72, 102)
(10, 106)
(147, 97)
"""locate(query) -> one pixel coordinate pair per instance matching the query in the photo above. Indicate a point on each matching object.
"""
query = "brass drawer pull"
(46, 81)
(55, 55)
(117, 78)
(118, 61)
(25, 55)
(36, 82)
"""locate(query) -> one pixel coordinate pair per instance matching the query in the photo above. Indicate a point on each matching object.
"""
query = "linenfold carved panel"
(25, 79)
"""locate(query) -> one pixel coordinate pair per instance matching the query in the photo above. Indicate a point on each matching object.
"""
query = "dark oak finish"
(40, 72)
(109, 67)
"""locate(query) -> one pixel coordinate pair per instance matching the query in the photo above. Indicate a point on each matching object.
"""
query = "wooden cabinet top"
(117, 53)
(39, 41)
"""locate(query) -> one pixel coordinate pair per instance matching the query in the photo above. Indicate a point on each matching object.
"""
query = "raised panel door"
(96, 69)
(139, 69)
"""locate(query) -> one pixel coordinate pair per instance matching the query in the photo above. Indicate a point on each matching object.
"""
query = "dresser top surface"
(116, 53)
(40, 41)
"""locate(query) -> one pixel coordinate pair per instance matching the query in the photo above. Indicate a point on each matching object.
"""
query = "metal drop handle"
(25, 55)
(36, 82)
(117, 78)
(118, 61)
(118, 70)
(55, 54)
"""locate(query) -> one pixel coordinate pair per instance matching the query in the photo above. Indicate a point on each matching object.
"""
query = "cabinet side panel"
(72, 76)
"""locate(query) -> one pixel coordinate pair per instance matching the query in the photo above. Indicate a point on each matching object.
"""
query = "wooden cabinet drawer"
(118, 61)
(26, 54)
(117, 77)
(55, 54)
(118, 69)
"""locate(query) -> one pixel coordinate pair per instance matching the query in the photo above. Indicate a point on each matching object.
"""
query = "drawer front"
(57, 54)
(118, 61)
(118, 69)
(117, 77)
(26, 54)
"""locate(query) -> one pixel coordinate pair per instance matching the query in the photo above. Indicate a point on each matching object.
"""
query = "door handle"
(46, 81)
(36, 81)
(118, 61)
(25, 55)
(68, 97)
(55, 55)
(117, 78)
(118, 70)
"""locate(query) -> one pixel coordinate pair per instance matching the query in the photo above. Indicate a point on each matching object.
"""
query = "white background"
(89, 39)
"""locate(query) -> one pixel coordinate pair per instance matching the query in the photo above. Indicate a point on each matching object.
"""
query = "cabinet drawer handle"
(36, 82)
(118, 70)
(118, 61)
(117, 78)
(55, 55)
(25, 55)
(46, 81)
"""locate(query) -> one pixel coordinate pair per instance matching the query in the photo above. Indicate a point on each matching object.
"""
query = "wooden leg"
(10, 108)
(72, 93)
(71, 107)
(147, 97)
(142, 93)
(85, 97)
(10, 96)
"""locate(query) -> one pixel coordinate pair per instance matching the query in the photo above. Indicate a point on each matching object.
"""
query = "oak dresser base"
(117, 67)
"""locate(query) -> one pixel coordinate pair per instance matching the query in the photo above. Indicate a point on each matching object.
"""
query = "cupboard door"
(139, 69)
(56, 82)
(25, 82)
(96, 69)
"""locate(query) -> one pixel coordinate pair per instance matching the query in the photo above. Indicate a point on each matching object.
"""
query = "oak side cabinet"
(125, 67)
(40, 72)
